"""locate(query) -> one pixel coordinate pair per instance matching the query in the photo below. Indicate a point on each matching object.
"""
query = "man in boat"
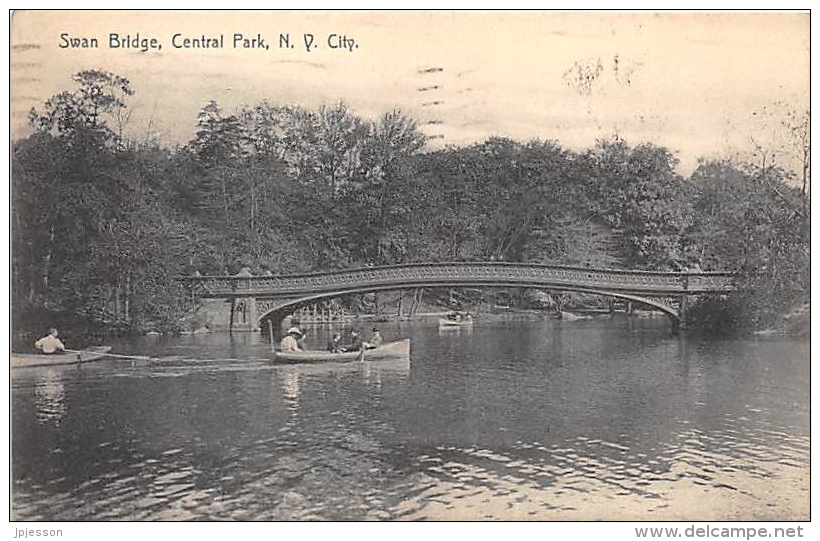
(50, 344)
(290, 341)
(376, 339)
(334, 345)
(356, 343)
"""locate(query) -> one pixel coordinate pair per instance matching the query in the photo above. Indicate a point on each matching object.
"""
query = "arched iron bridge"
(265, 295)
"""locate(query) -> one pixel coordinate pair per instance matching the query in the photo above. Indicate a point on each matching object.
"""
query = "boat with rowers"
(26, 360)
(390, 350)
(456, 321)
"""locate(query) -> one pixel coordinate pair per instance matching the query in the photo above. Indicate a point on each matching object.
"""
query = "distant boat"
(444, 322)
(390, 350)
(569, 316)
(25, 360)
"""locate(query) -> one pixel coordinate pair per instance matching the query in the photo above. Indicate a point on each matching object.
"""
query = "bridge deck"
(465, 274)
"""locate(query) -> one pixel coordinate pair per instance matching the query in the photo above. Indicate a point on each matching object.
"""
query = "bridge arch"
(278, 306)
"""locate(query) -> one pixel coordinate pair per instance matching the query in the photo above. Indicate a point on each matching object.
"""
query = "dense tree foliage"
(755, 227)
(103, 227)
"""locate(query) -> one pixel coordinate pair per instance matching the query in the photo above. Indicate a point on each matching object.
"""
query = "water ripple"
(557, 424)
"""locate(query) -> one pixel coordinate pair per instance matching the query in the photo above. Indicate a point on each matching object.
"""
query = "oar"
(132, 357)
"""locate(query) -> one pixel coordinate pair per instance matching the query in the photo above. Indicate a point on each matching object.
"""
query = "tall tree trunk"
(128, 297)
(253, 213)
(332, 177)
(418, 294)
(47, 262)
(804, 191)
(225, 200)
(117, 300)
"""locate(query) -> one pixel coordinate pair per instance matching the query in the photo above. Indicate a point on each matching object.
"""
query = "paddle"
(132, 357)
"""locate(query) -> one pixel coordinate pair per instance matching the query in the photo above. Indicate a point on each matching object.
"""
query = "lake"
(608, 418)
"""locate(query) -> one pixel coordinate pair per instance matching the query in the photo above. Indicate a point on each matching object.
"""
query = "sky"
(696, 83)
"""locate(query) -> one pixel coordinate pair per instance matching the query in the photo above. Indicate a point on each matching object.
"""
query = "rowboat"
(25, 360)
(444, 322)
(569, 316)
(389, 350)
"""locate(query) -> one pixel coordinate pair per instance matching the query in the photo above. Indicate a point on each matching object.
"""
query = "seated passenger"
(356, 343)
(334, 345)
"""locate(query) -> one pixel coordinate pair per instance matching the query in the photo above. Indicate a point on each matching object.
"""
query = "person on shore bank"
(290, 341)
(334, 345)
(50, 344)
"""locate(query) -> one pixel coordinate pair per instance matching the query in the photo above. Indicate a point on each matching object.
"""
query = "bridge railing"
(462, 274)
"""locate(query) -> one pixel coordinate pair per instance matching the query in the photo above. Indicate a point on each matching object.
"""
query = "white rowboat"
(389, 350)
(25, 360)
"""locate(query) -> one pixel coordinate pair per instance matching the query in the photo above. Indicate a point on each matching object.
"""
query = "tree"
(781, 145)
(90, 220)
(798, 125)
(741, 224)
(99, 101)
(636, 191)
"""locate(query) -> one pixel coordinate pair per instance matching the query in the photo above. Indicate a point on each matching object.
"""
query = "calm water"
(598, 419)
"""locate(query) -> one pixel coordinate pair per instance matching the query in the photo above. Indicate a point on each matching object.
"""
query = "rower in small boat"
(289, 342)
(375, 339)
(50, 344)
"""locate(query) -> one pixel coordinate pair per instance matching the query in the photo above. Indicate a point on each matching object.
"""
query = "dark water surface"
(598, 419)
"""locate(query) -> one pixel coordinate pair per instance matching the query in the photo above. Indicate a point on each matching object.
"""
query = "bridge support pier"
(247, 311)
(253, 314)
(676, 325)
(684, 306)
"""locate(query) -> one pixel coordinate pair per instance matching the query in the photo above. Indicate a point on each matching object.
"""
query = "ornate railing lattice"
(456, 274)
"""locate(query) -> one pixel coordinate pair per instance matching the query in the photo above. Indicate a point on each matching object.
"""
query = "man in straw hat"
(290, 341)
(376, 339)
